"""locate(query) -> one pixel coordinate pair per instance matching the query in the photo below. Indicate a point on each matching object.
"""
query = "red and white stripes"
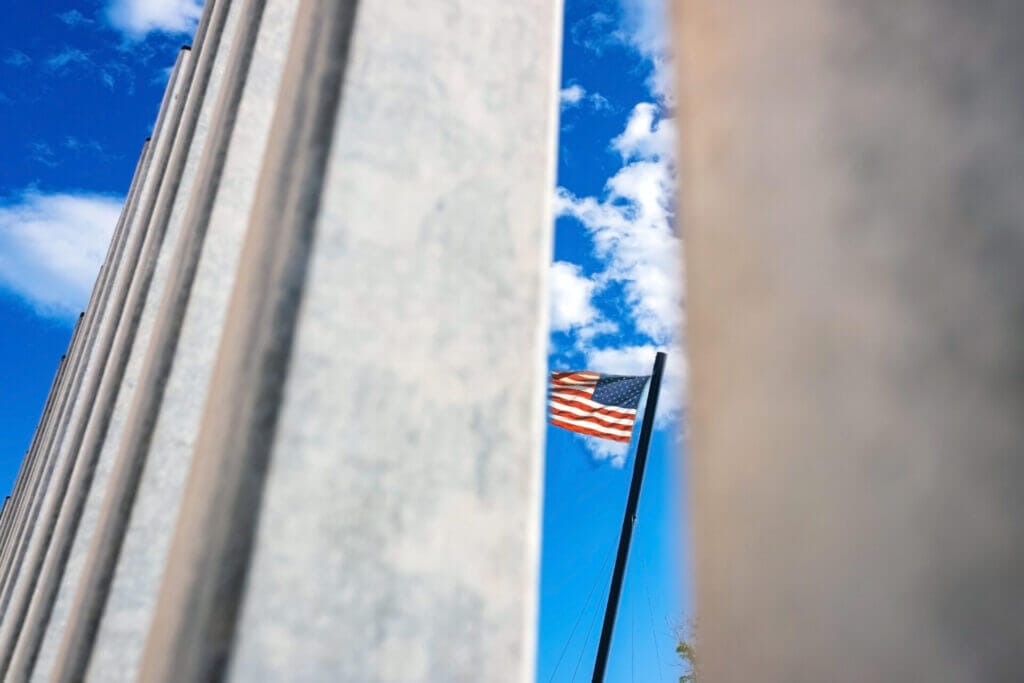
(571, 406)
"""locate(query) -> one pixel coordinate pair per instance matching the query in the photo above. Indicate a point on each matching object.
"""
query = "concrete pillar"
(852, 205)
(29, 462)
(33, 460)
(29, 465)
(128, 555)
(78, 516)
(78, 355)
(3, 511)
(370, 450)
(68, 439)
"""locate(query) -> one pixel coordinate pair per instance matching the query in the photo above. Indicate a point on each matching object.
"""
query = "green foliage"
(688, 654)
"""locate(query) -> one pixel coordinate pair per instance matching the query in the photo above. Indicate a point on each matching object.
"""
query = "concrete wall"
(297, 434)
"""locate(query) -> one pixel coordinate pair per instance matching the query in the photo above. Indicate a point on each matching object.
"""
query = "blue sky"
(80, 84)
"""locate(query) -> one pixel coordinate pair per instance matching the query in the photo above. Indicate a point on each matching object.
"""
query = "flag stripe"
(574, 411)
(586, 422)
(591, 432)
(571, 393)
(586, 403)
(576, 378)
(591, 419)
(558, 376)
(576, 383)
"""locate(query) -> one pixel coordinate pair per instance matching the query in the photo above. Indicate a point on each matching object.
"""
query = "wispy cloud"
(162, 76)
(42, 152)
(51, 247)
(67, 57)
(639, 25)
(575, 95)
(76, 144)
(74, 18)
(118, 74)
(136, 18)
(597, 32)
(17, 58)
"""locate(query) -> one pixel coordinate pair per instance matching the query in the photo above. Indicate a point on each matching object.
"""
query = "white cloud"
(645, 23)
(137, 18)
(632, 227)
(646, 135)
(51, 248)
(614, 452)
(572, 95)
(571, 295)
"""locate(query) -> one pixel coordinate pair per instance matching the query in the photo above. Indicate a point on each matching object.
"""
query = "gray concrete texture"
(154, 457)
(423, 521)
(112, 262)
(14, 504)
(854, 222)
(29, 463)
(451, 201)
(37, 456)
(77, 357)
(92, 362)
(69, 546)
(282, 230)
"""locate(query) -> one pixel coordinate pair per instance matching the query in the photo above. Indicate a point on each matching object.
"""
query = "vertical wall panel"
(86, 354)
(78, 520)
(81, 346)
(158, 443)
(94, 364)
(372, 439)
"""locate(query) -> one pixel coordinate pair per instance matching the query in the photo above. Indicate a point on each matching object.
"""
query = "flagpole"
(629, 519)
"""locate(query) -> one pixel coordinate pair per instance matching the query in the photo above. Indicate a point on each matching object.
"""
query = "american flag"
(595, 404)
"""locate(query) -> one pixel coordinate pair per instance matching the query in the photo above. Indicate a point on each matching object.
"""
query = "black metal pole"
(629, 519)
